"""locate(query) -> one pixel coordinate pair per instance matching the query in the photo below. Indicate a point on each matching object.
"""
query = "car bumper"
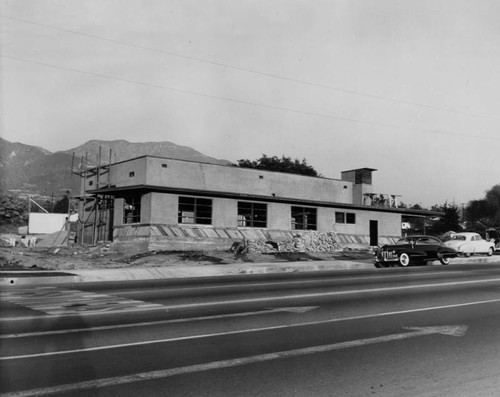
(386, 259)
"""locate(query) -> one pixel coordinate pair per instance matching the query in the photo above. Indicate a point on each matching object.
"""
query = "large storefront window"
(195, 210)
(132, 209)
(252, 214)
(304, 218)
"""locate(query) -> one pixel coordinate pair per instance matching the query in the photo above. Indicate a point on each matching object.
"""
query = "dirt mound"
(102, 257)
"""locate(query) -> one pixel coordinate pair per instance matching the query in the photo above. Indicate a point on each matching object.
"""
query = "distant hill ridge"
(35, 170)
(124, 150)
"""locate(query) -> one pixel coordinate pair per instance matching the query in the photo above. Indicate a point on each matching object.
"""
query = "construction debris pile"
(307, 242)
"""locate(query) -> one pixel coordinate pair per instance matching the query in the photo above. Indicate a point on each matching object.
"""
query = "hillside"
(15, 158)
(26, 169)
(123, 150)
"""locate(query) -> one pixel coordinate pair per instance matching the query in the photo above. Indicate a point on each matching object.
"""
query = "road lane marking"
(242, 331)
(456, 331)
(259, 300)
(334, 293)
(286, 283)
(57, 301)
(296, 310)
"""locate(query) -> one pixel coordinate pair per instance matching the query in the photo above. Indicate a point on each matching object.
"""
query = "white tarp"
(42, 223)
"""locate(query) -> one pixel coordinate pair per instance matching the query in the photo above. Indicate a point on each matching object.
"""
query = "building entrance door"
(373, 233)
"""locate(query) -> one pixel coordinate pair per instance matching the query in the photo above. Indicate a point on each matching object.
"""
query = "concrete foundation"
(157, 237)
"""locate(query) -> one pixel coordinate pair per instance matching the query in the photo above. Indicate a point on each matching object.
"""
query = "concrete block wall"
(159, 237)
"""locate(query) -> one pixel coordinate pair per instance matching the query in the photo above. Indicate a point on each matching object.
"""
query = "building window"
(252, 214)
(340, 217)
(91, 183)
(304, 218)
(131, 174)
(345, 217)
(195, 210)
(164, 165)
(132, 209)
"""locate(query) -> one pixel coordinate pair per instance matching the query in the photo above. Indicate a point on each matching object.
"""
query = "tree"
(283, 164)
(449, 221)
(13, 213)
(61, 206)
(477, 213)
(485, 212)
(493, 199)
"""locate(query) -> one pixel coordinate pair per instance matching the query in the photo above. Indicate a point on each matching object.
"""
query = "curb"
(178, 272)
(174, 272)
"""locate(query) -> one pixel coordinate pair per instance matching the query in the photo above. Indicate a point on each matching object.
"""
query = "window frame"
(345, 218)
(351, 215)
(308, 216)
(194, 210)
(132, 209)
(251, 214)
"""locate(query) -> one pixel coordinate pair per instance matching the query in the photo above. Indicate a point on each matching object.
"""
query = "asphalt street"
(429, 331)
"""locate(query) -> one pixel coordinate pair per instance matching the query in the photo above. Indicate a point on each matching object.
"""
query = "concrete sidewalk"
(173, 272)
(27, 277)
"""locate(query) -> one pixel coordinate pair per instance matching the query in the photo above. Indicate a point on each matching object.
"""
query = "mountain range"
(26, 169)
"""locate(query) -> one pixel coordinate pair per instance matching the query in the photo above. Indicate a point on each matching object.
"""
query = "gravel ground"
(102, 257)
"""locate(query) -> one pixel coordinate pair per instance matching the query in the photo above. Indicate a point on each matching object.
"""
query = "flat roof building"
(163, 203)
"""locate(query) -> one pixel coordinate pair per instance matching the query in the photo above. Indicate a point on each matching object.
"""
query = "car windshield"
(457, 237)
(418, 240)
(427, 241)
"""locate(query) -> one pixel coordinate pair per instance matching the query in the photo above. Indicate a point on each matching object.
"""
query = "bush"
(13, 213)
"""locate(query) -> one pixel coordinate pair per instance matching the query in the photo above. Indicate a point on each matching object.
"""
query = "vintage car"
(469, 243)
(414, 250)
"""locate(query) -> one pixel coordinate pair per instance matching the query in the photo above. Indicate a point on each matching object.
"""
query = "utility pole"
(68, 225)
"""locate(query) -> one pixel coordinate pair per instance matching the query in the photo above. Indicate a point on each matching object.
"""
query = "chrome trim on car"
(388, 255)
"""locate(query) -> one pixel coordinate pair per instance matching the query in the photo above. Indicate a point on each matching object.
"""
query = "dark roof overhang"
(141, 189)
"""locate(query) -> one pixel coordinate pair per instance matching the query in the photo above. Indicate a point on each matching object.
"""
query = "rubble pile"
(306, 242)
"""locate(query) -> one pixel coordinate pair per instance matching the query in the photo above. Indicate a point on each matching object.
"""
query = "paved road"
(389, 332)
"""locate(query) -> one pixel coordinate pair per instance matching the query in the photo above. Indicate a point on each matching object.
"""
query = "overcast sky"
(410, 88)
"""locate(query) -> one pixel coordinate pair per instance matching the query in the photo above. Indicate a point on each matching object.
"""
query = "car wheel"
(490, 251)
(404, 259)
(444, 260)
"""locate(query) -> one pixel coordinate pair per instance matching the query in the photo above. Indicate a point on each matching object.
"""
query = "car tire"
(404, 259)
(490, 251)
(444, 260)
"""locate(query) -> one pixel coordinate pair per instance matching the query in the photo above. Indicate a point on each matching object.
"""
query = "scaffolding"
(95, 210)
